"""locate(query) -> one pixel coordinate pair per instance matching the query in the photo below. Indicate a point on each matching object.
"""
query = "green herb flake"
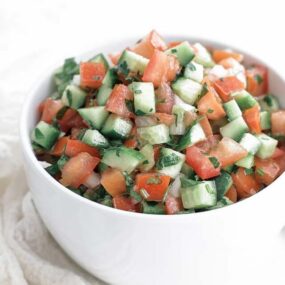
(210, 111)
(154, 180)
(140, 113)
(260, 171)
(268, 100)
(258, 78)
(145, 162)
(123, 67)
(69, 97)
(174, 50)
(214, 161)
(191, 66)
(248, 171)
(38, 134)
(138, 91)
(168, 160)
(130, 105)
(209, 189)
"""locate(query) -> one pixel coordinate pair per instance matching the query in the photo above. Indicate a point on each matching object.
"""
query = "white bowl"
(131, 248)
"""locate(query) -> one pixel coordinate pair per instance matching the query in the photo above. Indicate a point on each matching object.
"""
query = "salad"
(162, 128)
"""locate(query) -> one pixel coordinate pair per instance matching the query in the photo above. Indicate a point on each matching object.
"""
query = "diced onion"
(145, 121)
(76, 79)
(93, 180)
(174, 188)
(187, 107)
(44, 164)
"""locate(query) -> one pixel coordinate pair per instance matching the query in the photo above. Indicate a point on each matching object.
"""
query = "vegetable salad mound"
(162, 128)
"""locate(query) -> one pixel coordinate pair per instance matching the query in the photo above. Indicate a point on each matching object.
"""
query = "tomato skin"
(71, 119)
(252, 118)
(232, 194)
(113, 181)
(173, 205)
(211, 142)
(219, 55)
(74, 147)
(50, 109)
(92, 74)
(206, 126)
(155, 190)
(228, 152)
(161, 68)
(278, 122)
(117, 101)
(125, 203)
(266, 171)
(257, 80)
(165, 99)
(225, 86)
(245, 184)
(210, 106)
(77, 169)
(60, 146)
(201, 163)
(149, 44)
(164, 118)
(279, 152)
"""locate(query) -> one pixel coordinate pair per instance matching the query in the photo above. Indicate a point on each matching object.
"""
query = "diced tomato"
(75, 132)
(154, 184)
(164, 118)
(201, 164)
(161, 68)
(211, 106)
(219, 55)
(173, 44)
(266, 171)
(156, 152)
(115, 57)
(225, 86)
(278, 122)
(149, 44)
(92, 74)
(60, 146)
(278, 152)
(245, 184)
(113, 181)
(78, 168)
(164, 98)
(74, 147)
(206, 126)
(211, 142)
(228, 152)
(117, 101)
(41, 106)
(232, 194)
(71, 119)
(189, 118)
(132, 141)
(281, 163)
(125, 203)
(252, 118)
(173, 205)
(257, 80)
(50, 109)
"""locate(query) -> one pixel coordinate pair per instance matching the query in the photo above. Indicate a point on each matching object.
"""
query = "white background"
(36, 33)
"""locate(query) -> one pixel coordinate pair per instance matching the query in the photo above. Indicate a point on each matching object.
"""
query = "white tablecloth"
(33, 34)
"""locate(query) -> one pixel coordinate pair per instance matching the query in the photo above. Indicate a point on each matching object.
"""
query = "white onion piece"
(187, 107)
(218, 71)
(44, 164)
(76, 79)
(93, 180)
(174, 188)
(145, 121)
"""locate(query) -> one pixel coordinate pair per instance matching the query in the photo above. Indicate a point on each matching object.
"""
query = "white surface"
(33, 34)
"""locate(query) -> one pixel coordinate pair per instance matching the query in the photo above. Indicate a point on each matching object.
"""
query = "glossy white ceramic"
(127, 248)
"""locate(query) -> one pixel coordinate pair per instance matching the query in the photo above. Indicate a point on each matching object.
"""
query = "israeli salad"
(162, 128)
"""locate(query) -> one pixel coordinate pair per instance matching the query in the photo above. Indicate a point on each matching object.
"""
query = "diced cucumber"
(250, 143)
(187, 107)
(117, 127)
(132, 62)
(187, 170)
(103, 95)
(187, 89)
(184, 52)
(232, 109)
(178, 127)
(244, 99)
(73, 96)
(192, 136)
(149, 161)
(94, 116)
(225, 201)
(110, 78)
(265, 120)
(268, 146)
(152, 208)
(269, 103)
(170, 162)
(122, 158)
(95, 138)
(246, 162)
(101, 59)
(194, 71)
(45, 135)
(223, 183)
(234, 129)
(199, 196)
(203, 56)
(144, 98)
(156, 134)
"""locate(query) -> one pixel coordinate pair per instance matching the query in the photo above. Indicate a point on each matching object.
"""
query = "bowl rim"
(26, 148)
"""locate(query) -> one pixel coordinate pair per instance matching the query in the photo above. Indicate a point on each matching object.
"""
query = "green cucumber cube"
(94, 116)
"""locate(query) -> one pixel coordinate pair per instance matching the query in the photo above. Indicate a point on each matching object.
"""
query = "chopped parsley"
(214, 161)
(174, 50)
(260, 171)
(210, 111)
(258, 78)
(124, 69)
(248, 171)
(38, 134)
(138, 91)
(167, 160)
